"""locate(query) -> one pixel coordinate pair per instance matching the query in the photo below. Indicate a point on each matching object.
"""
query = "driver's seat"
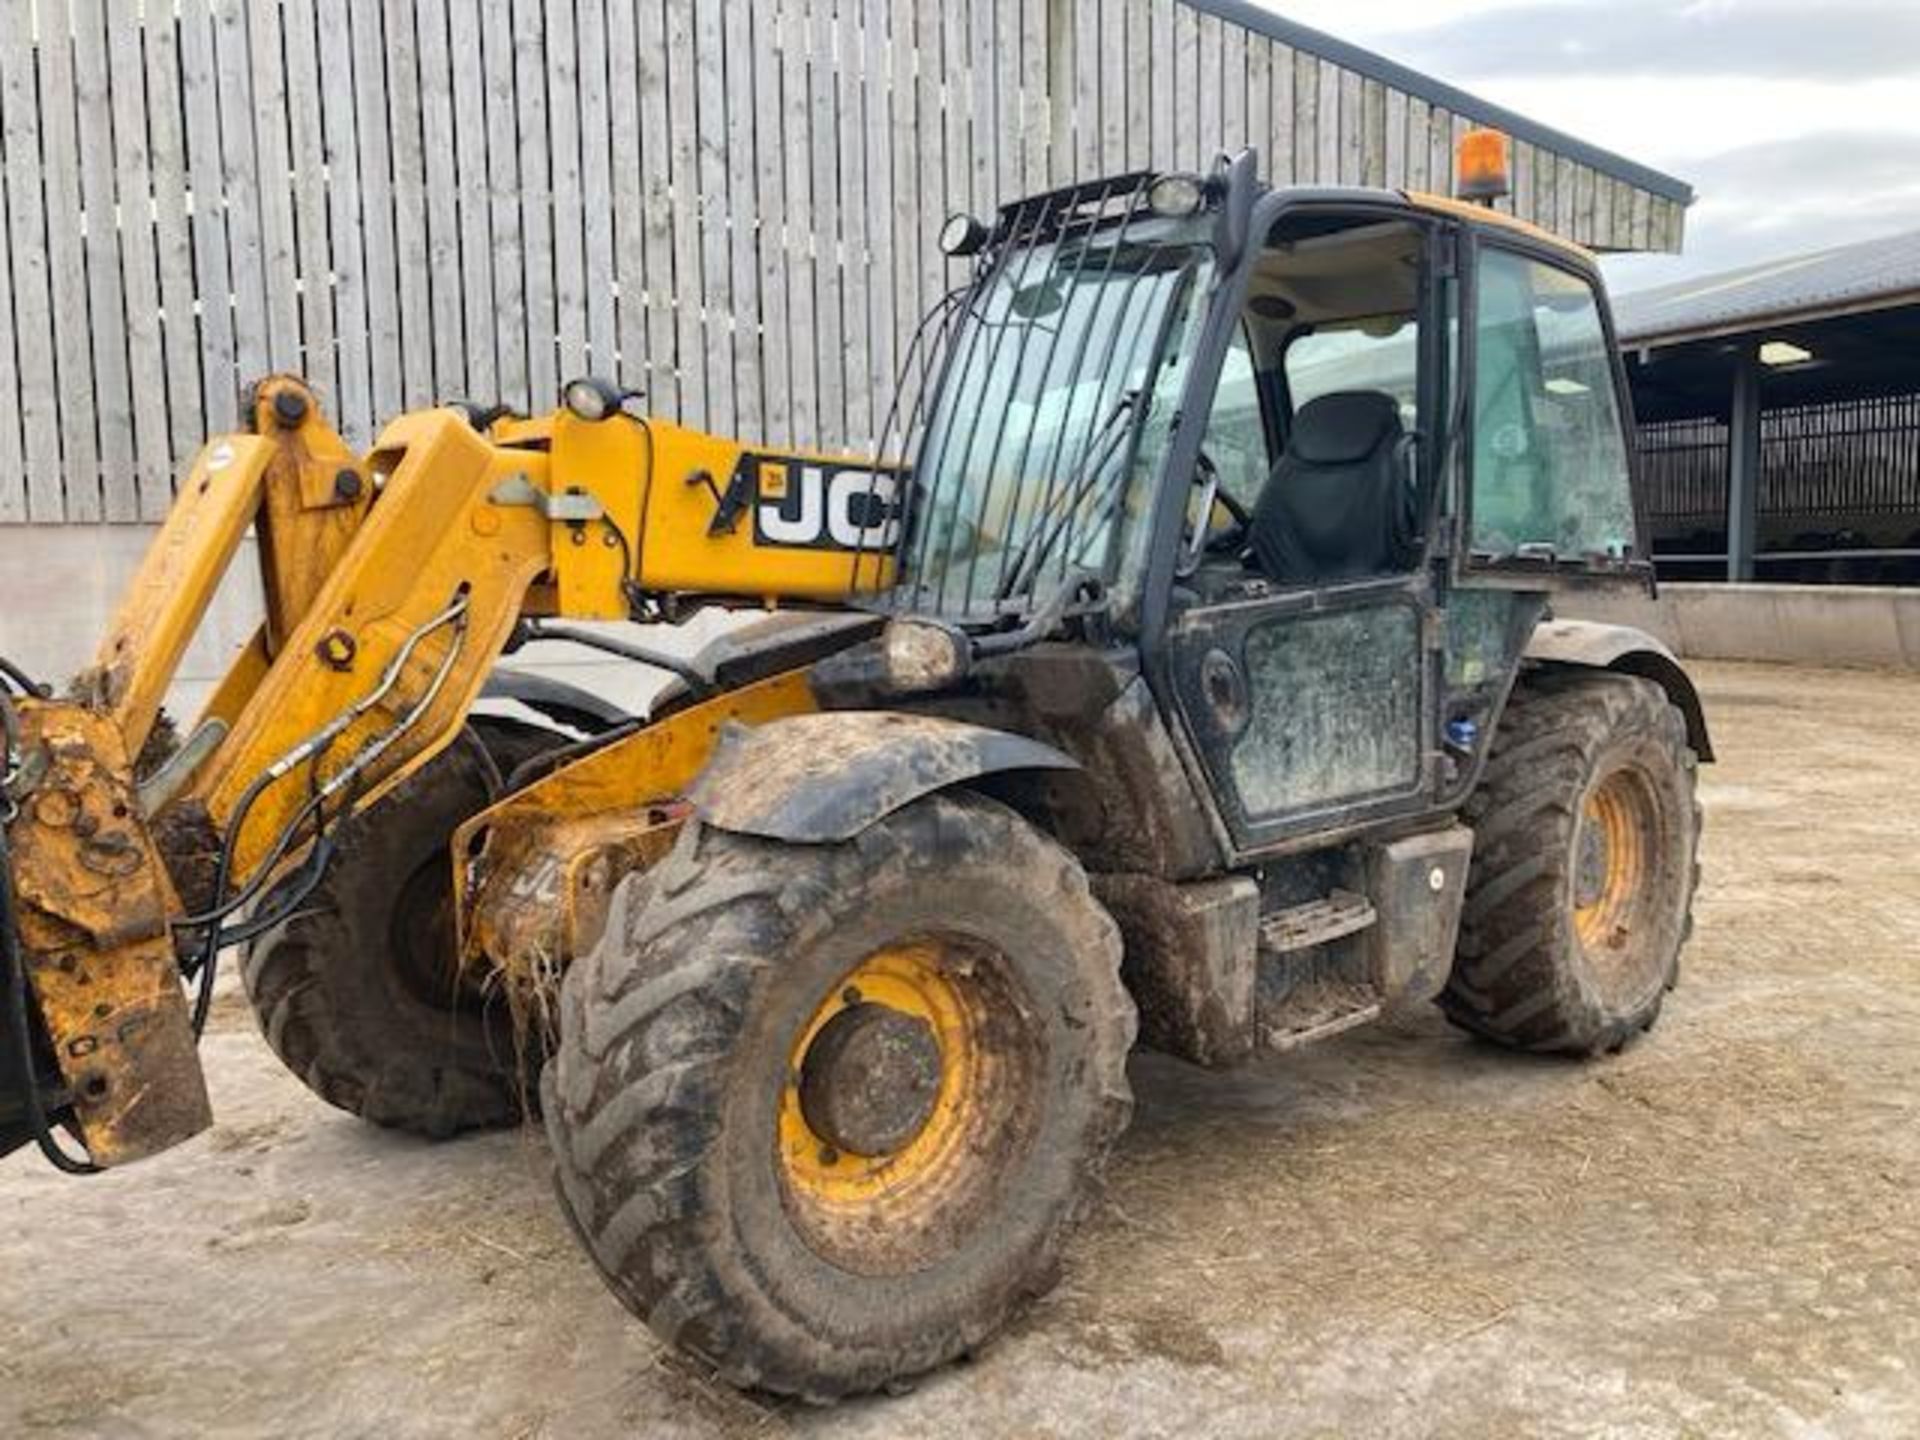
(1339, 504)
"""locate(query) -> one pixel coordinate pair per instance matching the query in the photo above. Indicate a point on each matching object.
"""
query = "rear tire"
(358, 992)
(1584, 866)
(677, 1101)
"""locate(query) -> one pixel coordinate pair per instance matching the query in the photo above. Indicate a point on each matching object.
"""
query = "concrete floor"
(1401, 1233)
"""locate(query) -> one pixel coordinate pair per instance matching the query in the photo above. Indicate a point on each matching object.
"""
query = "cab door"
(1313, 704)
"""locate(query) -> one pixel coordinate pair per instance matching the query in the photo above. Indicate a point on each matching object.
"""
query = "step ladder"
(1319, 1005)
(1331, 917)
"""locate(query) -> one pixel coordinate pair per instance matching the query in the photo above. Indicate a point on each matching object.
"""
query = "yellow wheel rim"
(1613, 861)
(959, 1113)
(913, 980)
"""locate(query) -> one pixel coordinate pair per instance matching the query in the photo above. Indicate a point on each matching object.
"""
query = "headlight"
(924, 655)
(591, 398)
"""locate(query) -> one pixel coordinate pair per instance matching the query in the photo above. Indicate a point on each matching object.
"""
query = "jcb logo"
(811, 505)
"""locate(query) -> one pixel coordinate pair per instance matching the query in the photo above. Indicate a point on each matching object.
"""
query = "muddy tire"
(700, 1172)
(1584, 866)
(356, 993)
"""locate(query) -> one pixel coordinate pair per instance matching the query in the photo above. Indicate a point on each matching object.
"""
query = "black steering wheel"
(1230, 540)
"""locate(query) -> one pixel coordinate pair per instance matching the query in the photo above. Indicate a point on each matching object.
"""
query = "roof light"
(1783, 352)
(1176, 196)
(1561, 385)
(1481, 164)
(962, 235)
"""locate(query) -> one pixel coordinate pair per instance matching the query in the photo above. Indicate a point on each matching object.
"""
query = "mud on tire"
(665, 1101)
(1590, 775)
(356, 992)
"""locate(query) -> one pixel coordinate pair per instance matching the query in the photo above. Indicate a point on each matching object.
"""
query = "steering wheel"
(1230, 540)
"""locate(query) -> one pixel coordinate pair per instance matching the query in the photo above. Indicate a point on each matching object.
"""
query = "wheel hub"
(870, 1079)
(1591, 866)
(1613, 861)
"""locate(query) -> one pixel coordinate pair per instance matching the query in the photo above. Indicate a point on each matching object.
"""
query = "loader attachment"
(92, 988)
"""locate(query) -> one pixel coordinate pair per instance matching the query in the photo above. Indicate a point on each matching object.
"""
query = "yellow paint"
(1494, 219)
(606, 459)
(1617, 807)
(404, 565)
(535, 831)
(168, 596)
(305, 522)
(680, 550)
(915, 980)
(92, 903)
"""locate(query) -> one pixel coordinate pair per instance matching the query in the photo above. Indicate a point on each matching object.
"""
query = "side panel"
(729, 519)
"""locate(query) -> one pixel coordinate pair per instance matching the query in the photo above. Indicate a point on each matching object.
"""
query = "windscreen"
(1063, 371)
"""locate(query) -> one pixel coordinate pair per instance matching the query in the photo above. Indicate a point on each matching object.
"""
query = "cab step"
(1331, 917)
(1317, 1009)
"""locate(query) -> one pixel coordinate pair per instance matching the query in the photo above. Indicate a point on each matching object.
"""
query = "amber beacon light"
(1482, 166)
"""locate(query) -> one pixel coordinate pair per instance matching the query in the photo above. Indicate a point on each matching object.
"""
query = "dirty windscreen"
(1062, 379)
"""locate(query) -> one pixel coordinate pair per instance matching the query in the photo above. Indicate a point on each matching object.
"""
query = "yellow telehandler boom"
(382, 621)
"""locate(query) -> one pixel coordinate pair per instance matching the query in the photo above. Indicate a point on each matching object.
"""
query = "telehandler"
(1196, 677)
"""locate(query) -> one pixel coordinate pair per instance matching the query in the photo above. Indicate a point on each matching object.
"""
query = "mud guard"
(1596, 646)
(821, 778)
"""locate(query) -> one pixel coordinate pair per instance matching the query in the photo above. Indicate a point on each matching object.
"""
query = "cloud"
(1784, 39)
(1787, 196)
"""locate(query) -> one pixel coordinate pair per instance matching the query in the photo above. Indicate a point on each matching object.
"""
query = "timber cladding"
(730, 204)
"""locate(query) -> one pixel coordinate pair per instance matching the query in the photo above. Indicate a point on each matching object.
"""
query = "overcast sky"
(1796, 121)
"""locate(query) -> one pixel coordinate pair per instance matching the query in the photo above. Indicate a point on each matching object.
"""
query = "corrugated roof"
(1801, 287)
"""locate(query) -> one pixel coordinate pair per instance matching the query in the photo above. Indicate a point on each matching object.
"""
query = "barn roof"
(1823, 284)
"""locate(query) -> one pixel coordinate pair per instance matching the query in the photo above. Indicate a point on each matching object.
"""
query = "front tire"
(358, 992)
(1586, 832)
(824, 1115)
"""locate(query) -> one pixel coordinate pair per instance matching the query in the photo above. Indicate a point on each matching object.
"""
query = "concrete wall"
(1851, 625)
(59, 585)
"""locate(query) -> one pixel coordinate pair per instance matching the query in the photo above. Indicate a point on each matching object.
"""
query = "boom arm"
(392, 584)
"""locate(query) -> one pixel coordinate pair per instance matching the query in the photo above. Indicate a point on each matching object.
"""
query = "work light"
(962, 235)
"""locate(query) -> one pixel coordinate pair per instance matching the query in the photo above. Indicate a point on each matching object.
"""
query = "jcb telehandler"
(1197, 668)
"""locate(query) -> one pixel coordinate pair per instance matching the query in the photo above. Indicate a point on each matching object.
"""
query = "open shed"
(1779, 415)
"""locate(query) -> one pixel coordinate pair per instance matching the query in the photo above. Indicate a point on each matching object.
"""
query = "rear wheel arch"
(1578, 645)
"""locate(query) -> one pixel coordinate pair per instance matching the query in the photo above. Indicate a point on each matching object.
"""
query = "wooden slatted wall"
(729, 203)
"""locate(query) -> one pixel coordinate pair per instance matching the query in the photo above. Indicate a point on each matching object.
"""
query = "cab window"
(1373, 354)
(1550, 471)
(1237, 430)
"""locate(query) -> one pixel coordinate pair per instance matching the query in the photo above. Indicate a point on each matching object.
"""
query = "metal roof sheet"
(1800, 287)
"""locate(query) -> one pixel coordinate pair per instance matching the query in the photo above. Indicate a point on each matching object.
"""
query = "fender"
(820, 778)
(1596, 646)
